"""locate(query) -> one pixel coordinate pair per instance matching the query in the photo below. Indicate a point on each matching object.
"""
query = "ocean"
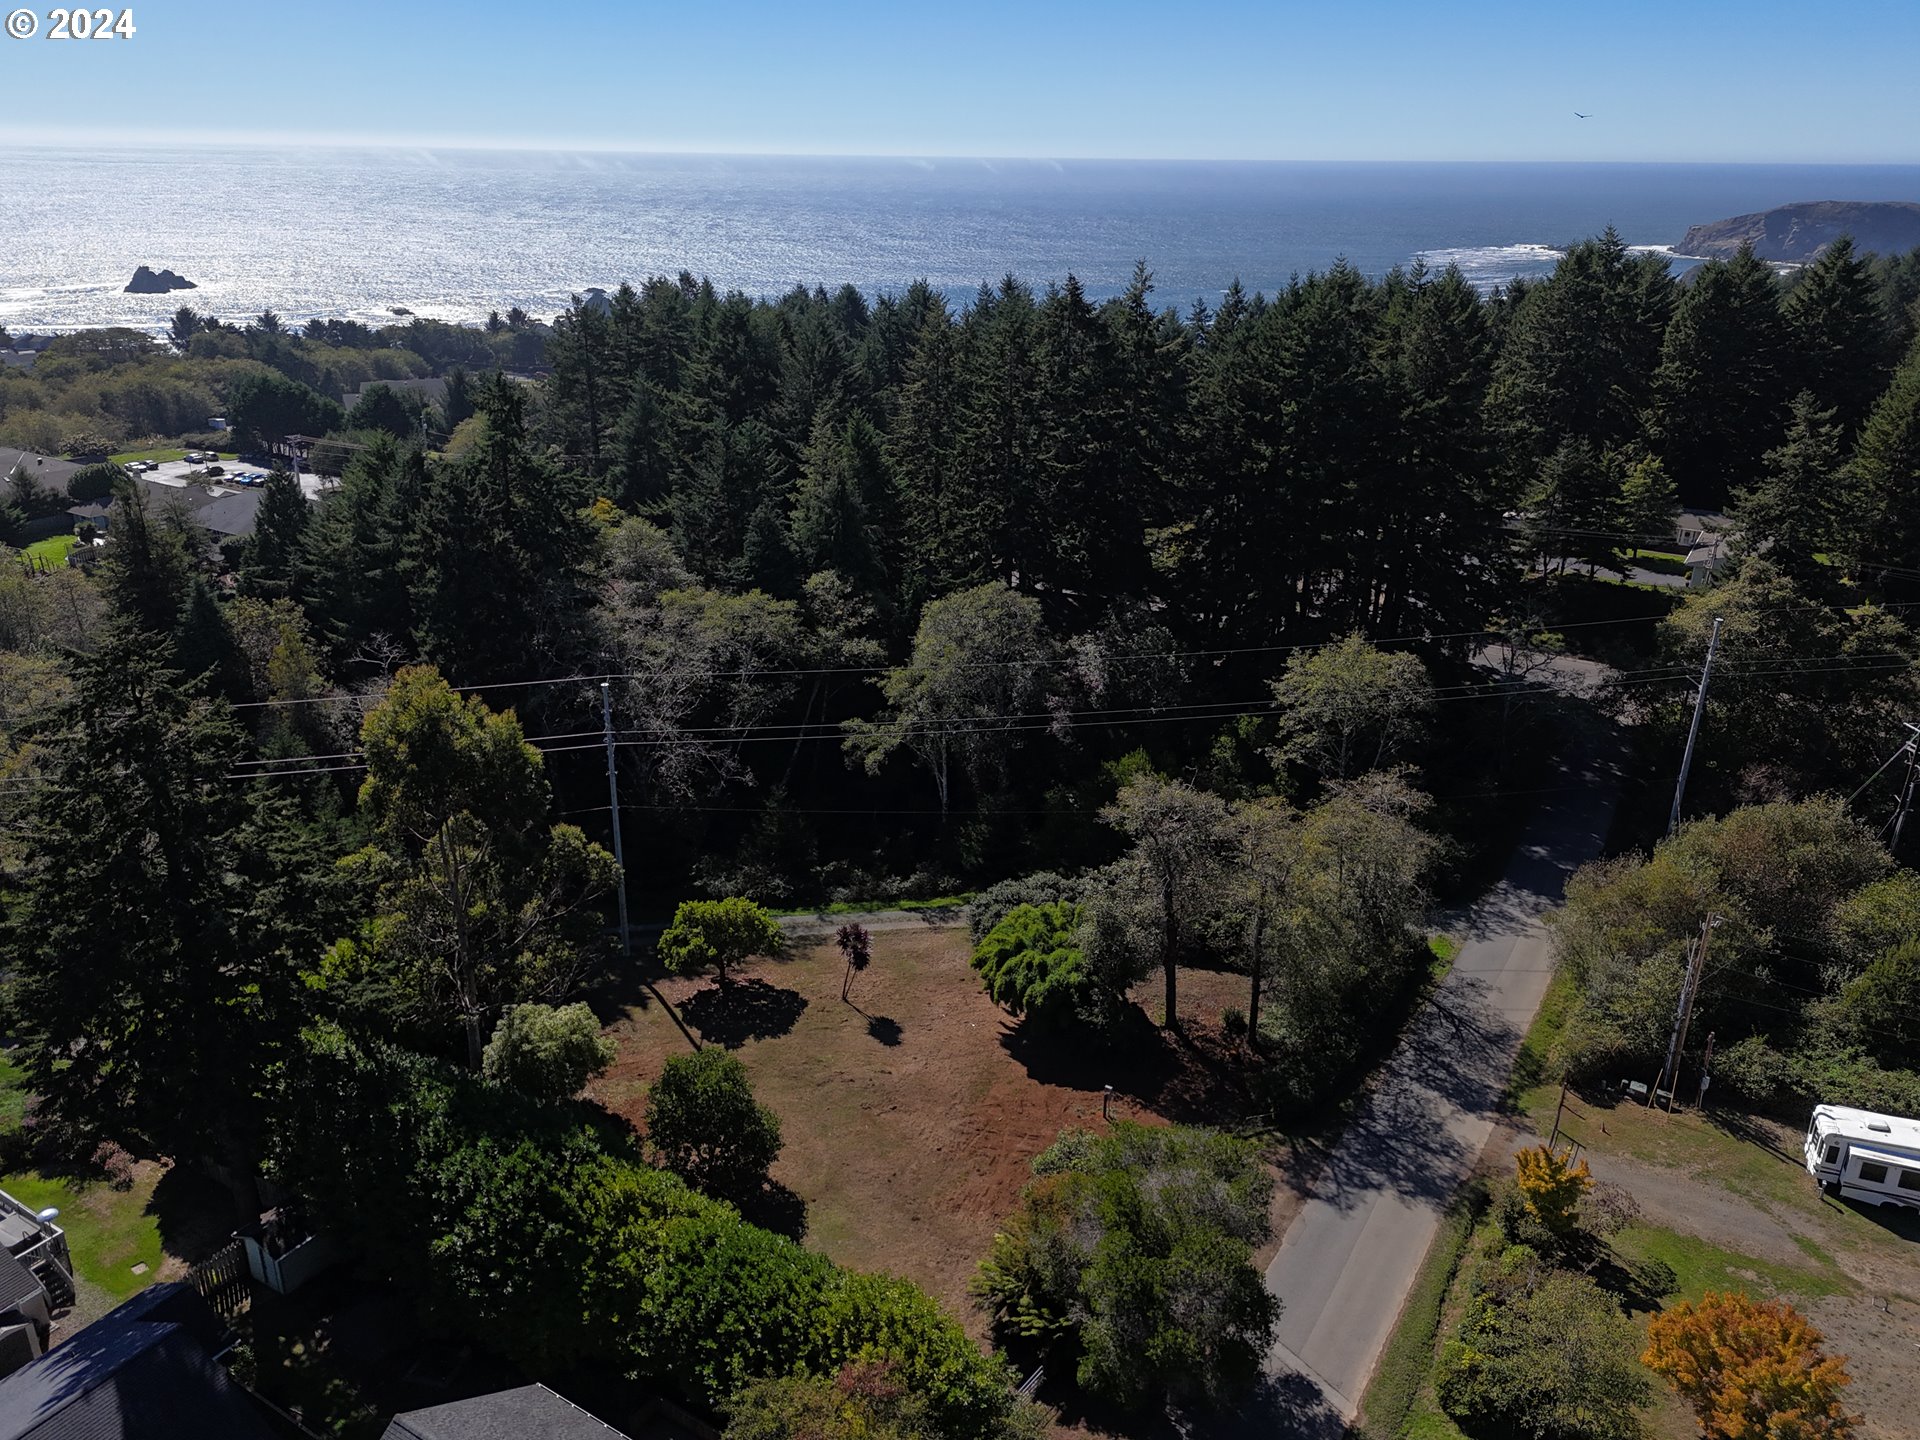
(453, 234)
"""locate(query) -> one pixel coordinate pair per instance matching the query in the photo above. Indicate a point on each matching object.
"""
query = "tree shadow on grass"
(884, 1029)
(1198, 1075)
(194, 1213)
(775, 1207)
(732, 1014)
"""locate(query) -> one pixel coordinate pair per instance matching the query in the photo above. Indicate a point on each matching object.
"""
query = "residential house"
(146, 1371)
(430, 388)
(533, 1412)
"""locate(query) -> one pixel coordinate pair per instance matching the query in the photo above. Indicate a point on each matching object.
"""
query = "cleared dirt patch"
(911, 1113)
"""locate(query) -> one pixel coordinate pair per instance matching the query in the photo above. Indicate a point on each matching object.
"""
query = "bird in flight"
(1578, 116)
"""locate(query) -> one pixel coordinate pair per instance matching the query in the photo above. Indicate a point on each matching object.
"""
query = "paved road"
(1348, 1260)
(806, 928)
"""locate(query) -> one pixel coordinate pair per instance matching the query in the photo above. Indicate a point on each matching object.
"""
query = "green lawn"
(1664, 562)
(1534, 1086)
(13, 1094)
(1700, 1265)
(108, 1231)
(50, 553)
(163, 455)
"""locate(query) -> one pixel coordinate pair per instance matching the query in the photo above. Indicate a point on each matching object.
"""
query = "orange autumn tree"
(1551, 1188)
(1751, 1370)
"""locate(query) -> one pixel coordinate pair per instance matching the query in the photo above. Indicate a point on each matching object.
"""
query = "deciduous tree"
(704, 1125)
(1751, 1370)
(718, 935)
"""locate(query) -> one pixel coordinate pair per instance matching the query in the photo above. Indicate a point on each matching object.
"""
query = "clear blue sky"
(1762, 80)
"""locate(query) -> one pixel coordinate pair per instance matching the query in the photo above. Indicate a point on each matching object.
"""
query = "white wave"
(1487, 267)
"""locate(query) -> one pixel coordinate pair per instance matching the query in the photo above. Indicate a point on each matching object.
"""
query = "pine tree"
(1580, 350)
(1719, 396)
(942, 550)
(1793, 514)
(161, 920)
(149, 566)
(1649, 501)
(279, 533)
(1839, 335)
(204, 648)
(1886, 480)
(831, 527)
(1573, 508)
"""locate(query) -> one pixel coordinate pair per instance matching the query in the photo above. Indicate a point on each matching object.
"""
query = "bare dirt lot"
(912, 1112)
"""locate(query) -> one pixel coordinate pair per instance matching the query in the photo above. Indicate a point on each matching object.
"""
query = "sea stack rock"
(146, 282)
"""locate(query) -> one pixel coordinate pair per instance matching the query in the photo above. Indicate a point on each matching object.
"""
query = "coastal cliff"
(1798, 233)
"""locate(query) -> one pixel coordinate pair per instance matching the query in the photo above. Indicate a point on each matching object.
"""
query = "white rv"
(1863, 1156)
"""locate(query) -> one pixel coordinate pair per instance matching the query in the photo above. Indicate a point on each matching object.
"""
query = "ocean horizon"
(358, 233)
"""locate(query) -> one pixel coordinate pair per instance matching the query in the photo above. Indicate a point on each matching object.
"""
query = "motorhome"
(1860, 1155)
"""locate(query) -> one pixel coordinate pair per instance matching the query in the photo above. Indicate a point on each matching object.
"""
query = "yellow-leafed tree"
(1751, 1370)
(1551, 1188)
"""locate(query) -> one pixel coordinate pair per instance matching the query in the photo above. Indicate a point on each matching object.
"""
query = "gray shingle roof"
(532, 1412)
(126, 1377)
(17, 1282)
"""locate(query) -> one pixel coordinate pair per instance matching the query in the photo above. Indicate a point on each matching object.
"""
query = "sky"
(1706, 80)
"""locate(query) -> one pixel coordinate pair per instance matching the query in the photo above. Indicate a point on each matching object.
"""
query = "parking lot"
(235, 474)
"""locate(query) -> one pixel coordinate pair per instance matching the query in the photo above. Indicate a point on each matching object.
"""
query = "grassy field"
(911, 1113)
(110, 1231)
(50, 553)
(163, 455)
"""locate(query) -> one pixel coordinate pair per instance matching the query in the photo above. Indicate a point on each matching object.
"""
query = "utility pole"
(613, 805)
(1906, 795)
(1706, 1074)
(1693, 730)
(1683, 1012)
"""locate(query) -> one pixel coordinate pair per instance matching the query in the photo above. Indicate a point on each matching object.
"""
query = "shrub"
(535, 1230)
(1138, 1246)
(717, 935)
(1755, 1072)
(704, 1125)
(1032, 963)
(1541, 1353)
(994, 904)
(114, 1164)
(546, 1052)
(1751, 1370)
(93, 482)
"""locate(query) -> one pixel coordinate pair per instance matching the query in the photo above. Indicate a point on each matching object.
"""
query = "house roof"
(17, 1282)
(230, 514)
(125, 1377)
(430, 387)
(52, 473)
(532, 1412)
